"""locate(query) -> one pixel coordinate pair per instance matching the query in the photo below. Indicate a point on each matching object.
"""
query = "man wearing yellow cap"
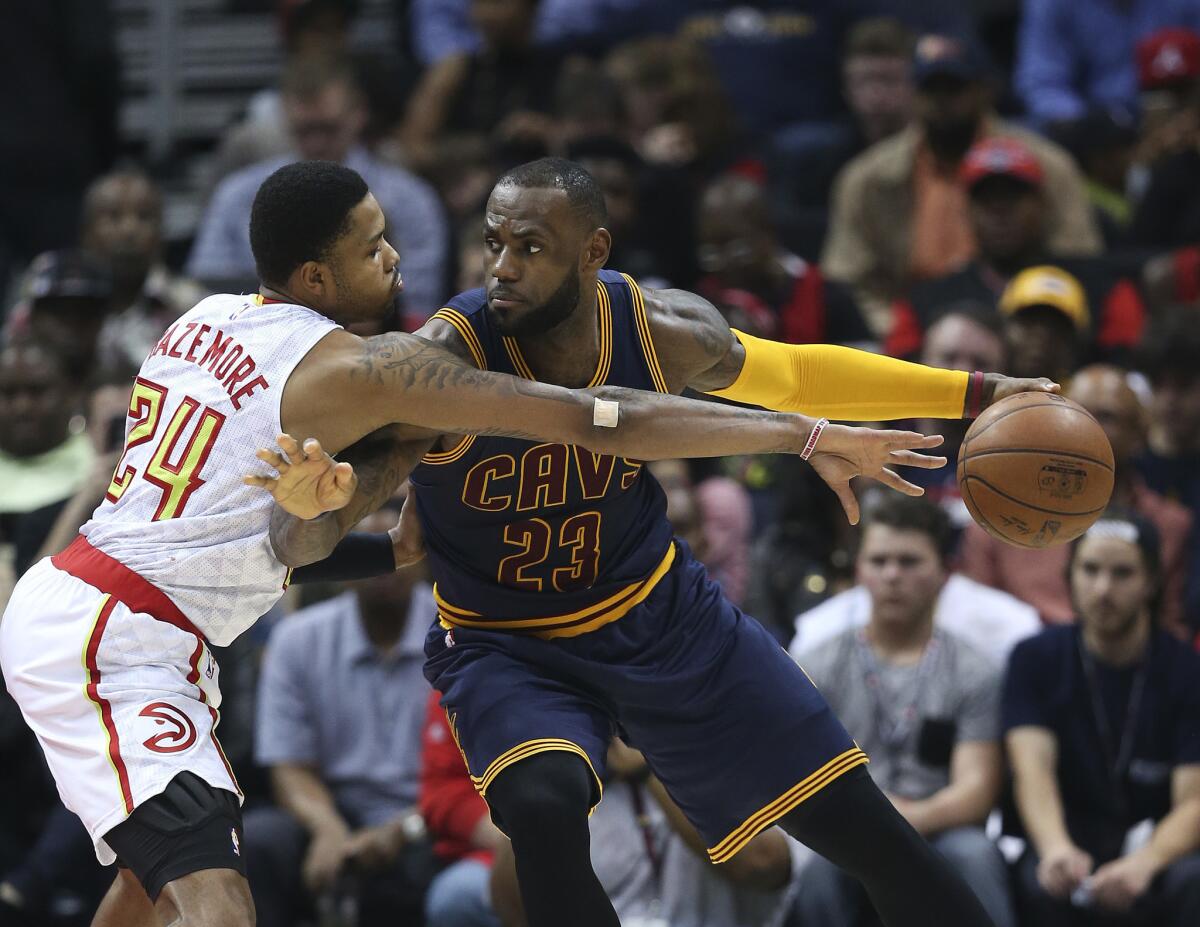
(1046, 321)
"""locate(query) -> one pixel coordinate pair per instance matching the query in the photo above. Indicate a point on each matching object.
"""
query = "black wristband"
(357, 556)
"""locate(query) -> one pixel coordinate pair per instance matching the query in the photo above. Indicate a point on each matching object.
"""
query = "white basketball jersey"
(177, 512)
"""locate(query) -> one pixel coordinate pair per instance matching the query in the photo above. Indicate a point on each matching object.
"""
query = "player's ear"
(314, 279)
(595, 254)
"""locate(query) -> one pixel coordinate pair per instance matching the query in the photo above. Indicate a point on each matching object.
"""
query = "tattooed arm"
(348, 387)
(380, 462)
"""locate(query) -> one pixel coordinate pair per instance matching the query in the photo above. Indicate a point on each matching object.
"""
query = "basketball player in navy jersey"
(566, 609)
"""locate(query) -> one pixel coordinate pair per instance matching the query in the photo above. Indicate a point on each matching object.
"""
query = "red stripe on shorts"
(93, 693)
(98, 569)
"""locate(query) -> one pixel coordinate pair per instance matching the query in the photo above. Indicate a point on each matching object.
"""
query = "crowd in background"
(1007, 186)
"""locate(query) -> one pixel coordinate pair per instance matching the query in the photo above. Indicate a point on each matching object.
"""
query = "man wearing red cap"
(900, 212)
(1009, 208)
(1072, 53)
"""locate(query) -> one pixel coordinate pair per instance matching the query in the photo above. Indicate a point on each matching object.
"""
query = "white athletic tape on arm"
(605, 413)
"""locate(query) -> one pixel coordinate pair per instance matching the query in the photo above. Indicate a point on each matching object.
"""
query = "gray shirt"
(416, 227)
(328, 698)
(686, 891)
(954, 696)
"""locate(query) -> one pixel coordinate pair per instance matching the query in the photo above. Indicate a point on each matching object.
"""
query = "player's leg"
(542, 804)
(183, 848)
(852, 824)
(535, 746)
(742, 740)
(126, 904)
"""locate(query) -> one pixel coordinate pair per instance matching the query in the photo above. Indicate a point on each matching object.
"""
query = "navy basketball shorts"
(732, 727)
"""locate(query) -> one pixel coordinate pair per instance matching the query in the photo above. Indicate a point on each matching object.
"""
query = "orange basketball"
(1035, 470)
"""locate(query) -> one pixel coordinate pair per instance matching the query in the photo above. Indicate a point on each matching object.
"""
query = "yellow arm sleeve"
(842, 383)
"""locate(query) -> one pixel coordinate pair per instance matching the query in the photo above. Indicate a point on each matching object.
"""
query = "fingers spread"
(289, 446)
(846, 496)
(895, 481)
(312, 448)
(273, 459)
(913, 459)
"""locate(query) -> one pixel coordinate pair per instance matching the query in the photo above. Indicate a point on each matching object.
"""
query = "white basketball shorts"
(121, 701)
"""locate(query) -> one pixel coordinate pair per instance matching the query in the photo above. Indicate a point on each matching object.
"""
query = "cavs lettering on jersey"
(545, 539)
(176, 512)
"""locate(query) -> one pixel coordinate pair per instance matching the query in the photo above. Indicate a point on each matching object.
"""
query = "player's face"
(903, 573)
(1110, 585)
(534, 248)
(364, 267)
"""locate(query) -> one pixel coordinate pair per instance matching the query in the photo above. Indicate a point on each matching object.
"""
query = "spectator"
(341, 709)
(647, 242)
(1102, 723)
(679, 117)
(1009, 213)
(1104, 142)
(964, 336)
(1168, 77)
(987, 619)
(877, 84)
(1046, 323)
(313, 29)
(1170, 463)
(122, 229)
(922, 702)
(42, 462)
(1039, 576)
(325, 117)
(64, 305)
(1168, 214)
(501, 94)
(714, 516)
(760, 287)
(465, 839)
(900, 214)
(1073, 53)
(654, 865)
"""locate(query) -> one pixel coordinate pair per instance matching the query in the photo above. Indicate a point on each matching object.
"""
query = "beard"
(541, 319)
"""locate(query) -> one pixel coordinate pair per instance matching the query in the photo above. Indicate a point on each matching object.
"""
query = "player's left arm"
(698, 349)
(976, 774)
(319, 500)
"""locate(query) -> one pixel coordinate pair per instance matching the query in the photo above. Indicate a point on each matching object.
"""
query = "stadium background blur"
(1006, 184)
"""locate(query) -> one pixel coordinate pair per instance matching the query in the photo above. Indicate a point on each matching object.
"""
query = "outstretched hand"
(997, 386)
(308, 482)
(843, 452)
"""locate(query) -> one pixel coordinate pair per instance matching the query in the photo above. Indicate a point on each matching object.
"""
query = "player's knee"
(209, 898)
(543, 793)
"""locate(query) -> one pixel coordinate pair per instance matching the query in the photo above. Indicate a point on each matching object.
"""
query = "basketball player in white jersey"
(105, 646)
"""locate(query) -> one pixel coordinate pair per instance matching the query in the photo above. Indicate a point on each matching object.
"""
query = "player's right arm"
(348, 387)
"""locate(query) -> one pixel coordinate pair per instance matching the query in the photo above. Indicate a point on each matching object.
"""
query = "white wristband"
(605, 413)
(811, 444)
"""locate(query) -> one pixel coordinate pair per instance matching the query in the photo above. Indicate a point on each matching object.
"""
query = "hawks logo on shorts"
(179, 734)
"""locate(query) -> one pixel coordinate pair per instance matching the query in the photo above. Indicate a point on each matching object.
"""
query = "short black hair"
(583, 192)
(298, 214)
(913, 513)
(1170, 348)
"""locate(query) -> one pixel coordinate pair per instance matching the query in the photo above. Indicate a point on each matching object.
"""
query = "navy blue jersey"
(547, 539)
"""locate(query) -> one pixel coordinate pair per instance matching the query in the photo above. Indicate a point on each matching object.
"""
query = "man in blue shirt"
(1102, 723)
(1072, 53)
(340, 713)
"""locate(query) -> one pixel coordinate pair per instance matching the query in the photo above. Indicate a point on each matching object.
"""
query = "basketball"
(1035, 470)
